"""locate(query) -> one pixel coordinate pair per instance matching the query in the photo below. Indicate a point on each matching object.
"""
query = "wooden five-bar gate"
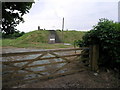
(26, 67)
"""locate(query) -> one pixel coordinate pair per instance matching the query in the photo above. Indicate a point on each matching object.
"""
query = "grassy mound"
(70, 36)
(42, 36)
(34, 36)
(39, 39)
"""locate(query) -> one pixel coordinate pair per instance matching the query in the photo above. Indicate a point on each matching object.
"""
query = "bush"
(107, 34)
(16, 34)
(79, 43)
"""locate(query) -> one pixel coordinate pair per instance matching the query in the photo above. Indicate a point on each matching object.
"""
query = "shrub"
(79, 43)
(107, 34)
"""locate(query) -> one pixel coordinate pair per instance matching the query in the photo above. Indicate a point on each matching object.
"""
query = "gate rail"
(11, 68)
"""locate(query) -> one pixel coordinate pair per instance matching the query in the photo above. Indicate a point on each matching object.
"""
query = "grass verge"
(12, 42)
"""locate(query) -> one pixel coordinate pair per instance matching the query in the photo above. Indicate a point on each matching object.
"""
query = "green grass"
(0, 42)
(34, 36)
(9, 42)
(39, 39)
(70, 36)
(6, 42)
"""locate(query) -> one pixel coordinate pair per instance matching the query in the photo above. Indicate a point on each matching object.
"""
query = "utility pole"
(63, 24)
(62, 29)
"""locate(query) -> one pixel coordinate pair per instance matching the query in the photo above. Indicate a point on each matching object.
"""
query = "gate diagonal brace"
(69, 61)
(22, 67)
(63, 66)
(59, 56)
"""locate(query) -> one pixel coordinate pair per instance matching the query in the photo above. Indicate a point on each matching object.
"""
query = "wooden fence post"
(90, 55)
(94, 56)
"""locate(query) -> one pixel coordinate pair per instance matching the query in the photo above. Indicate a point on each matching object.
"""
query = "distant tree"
(15, 35)
(12, 13)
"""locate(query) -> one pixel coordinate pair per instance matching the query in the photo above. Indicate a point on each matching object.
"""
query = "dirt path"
(85, 79)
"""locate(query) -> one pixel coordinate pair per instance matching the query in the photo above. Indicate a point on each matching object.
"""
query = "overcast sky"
(79, 15)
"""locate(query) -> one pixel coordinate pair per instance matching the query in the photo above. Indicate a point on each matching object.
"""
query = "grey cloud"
(78, 15)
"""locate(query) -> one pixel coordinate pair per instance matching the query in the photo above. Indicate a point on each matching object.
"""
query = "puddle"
(67, 44)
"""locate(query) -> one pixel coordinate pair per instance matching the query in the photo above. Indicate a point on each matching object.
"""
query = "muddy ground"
(84, 79)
